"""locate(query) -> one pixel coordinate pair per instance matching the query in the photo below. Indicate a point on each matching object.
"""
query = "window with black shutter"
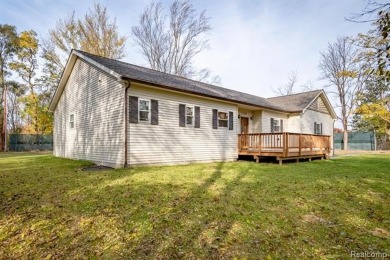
(276, 125)
(189, 116)
(143, 110)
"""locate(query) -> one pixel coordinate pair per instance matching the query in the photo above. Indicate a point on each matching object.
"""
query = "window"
(317, 128)
(71, 121)
(144, 110)
(276, 125)
(222, 119)
(190, 115)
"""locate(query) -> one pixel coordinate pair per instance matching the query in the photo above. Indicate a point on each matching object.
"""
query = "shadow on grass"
(222, 210)
(203, 231)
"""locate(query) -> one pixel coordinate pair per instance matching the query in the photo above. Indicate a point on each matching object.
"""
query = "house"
(118, 114)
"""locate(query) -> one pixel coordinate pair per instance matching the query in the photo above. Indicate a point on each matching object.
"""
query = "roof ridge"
(299, 93)
(180, 83)
(169, 74)
(142, 67)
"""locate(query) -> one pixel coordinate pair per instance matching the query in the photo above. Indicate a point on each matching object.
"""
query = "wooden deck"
(284, 145)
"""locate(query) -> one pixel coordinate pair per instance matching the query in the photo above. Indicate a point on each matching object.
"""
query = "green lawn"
(50, 208)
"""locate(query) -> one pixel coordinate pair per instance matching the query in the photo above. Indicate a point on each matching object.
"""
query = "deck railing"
(283, 144)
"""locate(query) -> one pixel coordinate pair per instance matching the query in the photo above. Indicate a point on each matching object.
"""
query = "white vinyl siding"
(294, 123)
(168, 143)
(311, 116)
(266, 120)
(97, 101)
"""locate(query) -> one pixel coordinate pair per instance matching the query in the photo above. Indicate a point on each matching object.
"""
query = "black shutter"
(197, 117)
(321, 128)
(230, 120)
(182, 115)
(272, 125)
(215, 119)
(133, 112)
(281, 125)
(154, 117)
(315, 130)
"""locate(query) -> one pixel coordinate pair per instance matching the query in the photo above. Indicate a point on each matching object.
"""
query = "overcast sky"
(254, 45)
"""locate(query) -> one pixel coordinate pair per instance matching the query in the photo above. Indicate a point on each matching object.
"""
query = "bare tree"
(288, 88)
(338, 66)
(308, 86)
(169, 45)
(372, 7)
(99, 35)
(95, 33)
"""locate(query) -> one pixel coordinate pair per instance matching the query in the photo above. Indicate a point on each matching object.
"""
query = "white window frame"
(72, 122)
(139, 110)
(276, 124)
(227, 119)
(193, 115)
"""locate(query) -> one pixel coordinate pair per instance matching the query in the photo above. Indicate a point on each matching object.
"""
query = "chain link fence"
(30, 142)
(356, 141)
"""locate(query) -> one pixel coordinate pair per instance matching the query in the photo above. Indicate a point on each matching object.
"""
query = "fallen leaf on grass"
(381, 232)
(311, 218)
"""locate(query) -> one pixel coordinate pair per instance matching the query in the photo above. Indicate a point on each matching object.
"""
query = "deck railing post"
(239, 143)
(287, 144)
(300, 145)
(259, 136)
(311, 144)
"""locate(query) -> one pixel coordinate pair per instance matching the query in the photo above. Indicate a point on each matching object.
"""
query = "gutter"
(126, 84)
(334, 121)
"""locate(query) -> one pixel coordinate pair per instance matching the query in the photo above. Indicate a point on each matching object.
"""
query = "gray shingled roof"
(137, 73)
(295, 102)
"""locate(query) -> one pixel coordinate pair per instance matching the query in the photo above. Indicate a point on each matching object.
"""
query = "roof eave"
(67, 71)
(204, 95)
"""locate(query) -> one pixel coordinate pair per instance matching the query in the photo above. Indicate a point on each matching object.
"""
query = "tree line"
(30, 68)
(356, 70)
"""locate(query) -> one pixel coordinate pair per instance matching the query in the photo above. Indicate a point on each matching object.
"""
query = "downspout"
(126, 84)
(332, 144)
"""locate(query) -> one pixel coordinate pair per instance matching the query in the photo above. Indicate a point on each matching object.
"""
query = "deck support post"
(280, 162)
(297, 160)
(309, 159)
